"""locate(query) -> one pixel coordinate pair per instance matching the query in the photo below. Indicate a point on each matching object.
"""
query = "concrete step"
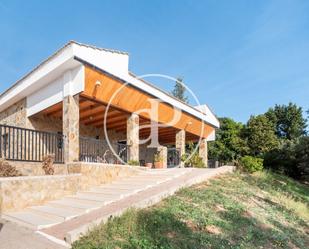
(74, 203)
(97, 198)
(32, 220)
(56, 212)
(133, 185)
(115, 194)
(134, 189)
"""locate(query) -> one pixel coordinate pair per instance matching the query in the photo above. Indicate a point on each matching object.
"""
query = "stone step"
(32, 220)
(56, 212)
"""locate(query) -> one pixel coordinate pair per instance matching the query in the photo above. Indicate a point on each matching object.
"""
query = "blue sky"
(240, 57)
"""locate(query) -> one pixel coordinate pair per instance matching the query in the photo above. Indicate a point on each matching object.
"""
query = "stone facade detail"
(181, 144)
(133, 137)
(162, 150)
(71, 128)
(203, 151)
(15, 115)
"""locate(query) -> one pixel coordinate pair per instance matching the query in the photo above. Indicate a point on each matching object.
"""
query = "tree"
(291, 158)
(288, 121)
(229, 144)
(179, 90)
(261, 136)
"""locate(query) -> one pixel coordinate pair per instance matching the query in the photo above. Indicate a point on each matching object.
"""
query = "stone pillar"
(203, 151)
(181, 144)
(70, 121)
(133, 137)
(162, 150)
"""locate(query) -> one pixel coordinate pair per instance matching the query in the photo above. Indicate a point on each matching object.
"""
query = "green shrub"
(251, 164)
(194, 161)
(133, 162)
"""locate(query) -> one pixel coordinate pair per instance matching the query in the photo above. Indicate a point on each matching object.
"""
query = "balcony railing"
(22, 144)
(97, 151)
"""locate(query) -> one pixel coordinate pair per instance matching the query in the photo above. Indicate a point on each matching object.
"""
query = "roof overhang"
(112, 62)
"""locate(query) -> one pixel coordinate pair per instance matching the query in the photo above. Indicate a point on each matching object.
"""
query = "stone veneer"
(95, 174)
(181, 144)
(203, 151)
(35, 168)
(162, 150)
(15, 115)
(133, 136)
(70, 128)
(17, 193)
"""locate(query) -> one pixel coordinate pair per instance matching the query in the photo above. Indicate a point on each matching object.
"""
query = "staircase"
(70, 207)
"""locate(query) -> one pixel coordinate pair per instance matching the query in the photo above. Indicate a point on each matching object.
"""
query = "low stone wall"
(35, 168)
(94, 174)
(17, 193)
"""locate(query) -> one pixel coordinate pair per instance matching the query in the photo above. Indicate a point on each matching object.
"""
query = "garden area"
(260, 210)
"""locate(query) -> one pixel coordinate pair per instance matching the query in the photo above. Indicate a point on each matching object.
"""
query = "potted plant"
(148, 165)
(158, 161)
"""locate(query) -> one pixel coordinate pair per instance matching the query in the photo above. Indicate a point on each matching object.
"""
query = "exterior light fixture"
(98, 83)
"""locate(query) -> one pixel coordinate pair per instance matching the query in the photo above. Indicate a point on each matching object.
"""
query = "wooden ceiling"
(92, 114)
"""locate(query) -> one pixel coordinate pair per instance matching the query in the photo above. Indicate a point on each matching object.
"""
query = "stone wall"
(94, 174)
(35, 168)
(16, 193)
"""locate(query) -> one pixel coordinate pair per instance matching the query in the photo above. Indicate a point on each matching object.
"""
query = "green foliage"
(287, 120)
(229, 144)
(291, 158)
(133, 162)
(302, 158)
(157, 157)
(251, 164)
(263, 210)
(179, 90)
(261, 136)
(191, 158)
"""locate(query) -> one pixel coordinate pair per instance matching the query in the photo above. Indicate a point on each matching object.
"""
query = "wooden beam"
(131, 99)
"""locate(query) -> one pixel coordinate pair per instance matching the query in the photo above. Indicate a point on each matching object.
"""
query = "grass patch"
(263, 210)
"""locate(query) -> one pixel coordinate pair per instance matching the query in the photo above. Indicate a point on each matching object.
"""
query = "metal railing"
(22, 144)
(97, 151)
(173, 157)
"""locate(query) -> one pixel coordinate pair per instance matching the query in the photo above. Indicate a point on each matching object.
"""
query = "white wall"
(69, 83)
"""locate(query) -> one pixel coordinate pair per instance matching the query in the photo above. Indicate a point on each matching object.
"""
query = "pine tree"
(179, 90)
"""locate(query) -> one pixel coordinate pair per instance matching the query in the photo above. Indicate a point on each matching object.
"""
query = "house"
(83, 104)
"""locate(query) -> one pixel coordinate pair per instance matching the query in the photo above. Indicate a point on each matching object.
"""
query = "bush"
(251, 164)
(48, 164)
(7, 170)
(133, 162)
(194, 161)
(291, 159)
